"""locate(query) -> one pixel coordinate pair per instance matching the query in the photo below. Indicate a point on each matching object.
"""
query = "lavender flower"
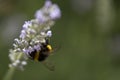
(49, 33)
(27, 24)
(55, 12)
(23, 34)
(48, 3)
(48, 12)
(33, 34)
(37, 47)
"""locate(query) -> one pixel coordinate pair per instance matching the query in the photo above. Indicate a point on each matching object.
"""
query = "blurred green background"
(88, 35)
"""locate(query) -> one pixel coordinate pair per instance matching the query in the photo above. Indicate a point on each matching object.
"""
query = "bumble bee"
(42, 55)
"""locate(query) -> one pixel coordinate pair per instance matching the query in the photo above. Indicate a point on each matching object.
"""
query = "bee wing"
(48, 65)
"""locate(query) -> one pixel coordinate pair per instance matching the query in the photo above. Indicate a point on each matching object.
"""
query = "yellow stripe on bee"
(49, 47)
(36, 56)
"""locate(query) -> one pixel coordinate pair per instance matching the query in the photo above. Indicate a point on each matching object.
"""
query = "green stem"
(9, 74)
(11, 70)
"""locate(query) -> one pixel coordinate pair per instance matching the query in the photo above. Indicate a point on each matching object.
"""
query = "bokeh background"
(88, 34)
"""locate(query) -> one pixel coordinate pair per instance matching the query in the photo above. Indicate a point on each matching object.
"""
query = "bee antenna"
(47, 41)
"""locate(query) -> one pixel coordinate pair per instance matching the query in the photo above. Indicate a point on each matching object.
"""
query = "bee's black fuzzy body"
(42, 54)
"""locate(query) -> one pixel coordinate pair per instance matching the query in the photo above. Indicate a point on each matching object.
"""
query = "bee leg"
(48, 65)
